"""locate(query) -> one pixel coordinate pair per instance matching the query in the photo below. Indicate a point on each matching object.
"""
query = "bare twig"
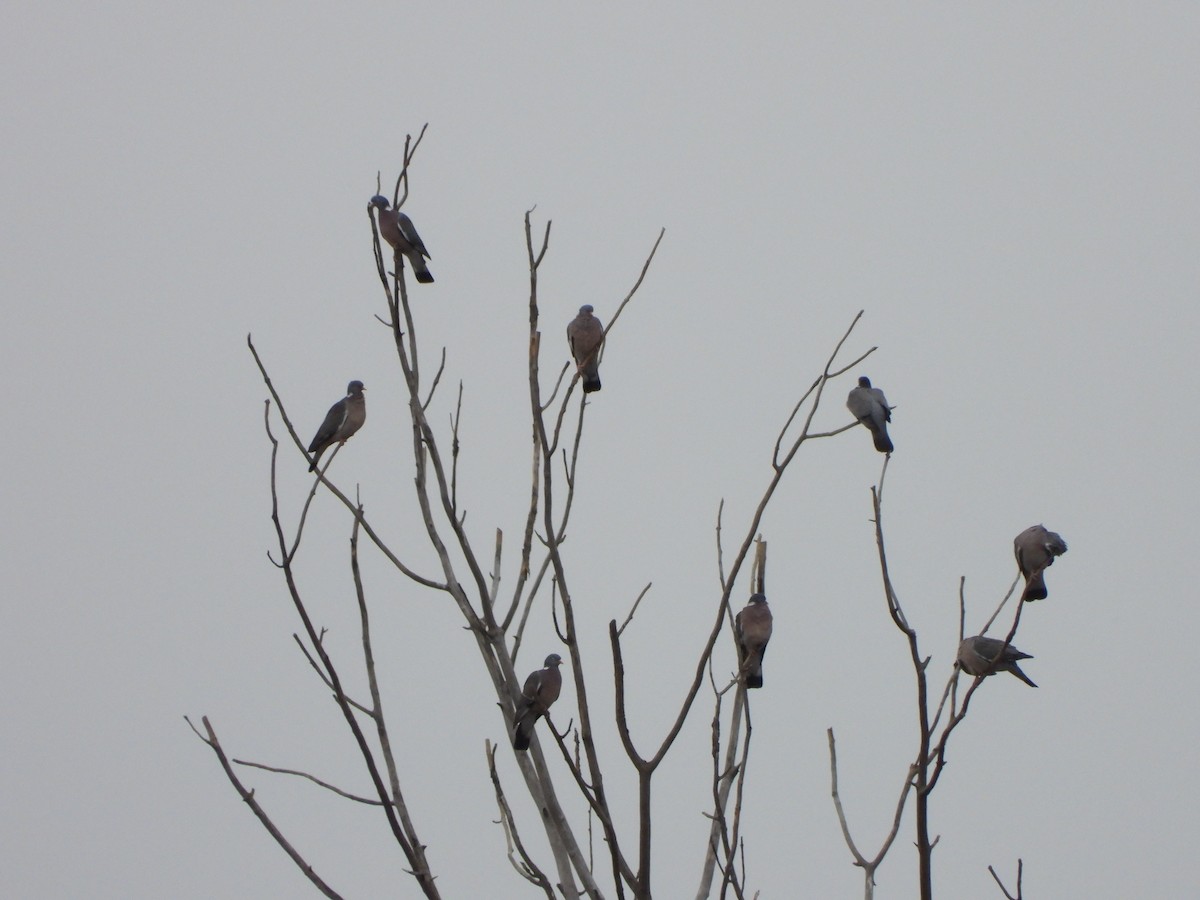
(1020, 869)
(369, 801)
(633, 609)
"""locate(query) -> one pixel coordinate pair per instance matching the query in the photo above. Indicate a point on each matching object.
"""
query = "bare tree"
(496, 623)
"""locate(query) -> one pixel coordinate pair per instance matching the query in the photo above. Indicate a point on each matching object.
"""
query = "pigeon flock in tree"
(1035, 547)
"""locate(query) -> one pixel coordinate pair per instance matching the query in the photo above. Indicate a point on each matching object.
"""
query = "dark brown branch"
(1020, 869)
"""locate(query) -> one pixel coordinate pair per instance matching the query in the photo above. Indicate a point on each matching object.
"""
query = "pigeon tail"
(754, 679)
(1016, 670)
(591, 384)
(1035, 587)
(883, 443)
(424, 276)
(522, 732)
(420, 270)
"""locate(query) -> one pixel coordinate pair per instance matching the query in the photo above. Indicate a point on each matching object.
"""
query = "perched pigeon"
(753, 628)
(869, 406)
(981, 655)
(343, 419)
(585, 334)
(541, 690)
(398, 230)
(1035, 548)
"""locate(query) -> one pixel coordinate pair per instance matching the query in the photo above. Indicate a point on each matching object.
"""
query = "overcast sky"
(1010, 192)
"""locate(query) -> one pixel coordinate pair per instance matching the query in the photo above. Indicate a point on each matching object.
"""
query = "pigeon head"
(586, 309)
(553, 660)
(379, 200)
(864, 381)
(355, 387)
(758, 598)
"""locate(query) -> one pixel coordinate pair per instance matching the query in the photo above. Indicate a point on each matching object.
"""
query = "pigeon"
(981, 655)
(869, 406)
(343, 419)
(398, 230)
(1035, 549)
(753, 628)
(541, 690)
(585, 334)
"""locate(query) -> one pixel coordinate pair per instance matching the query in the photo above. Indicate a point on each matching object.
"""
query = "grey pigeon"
(1035, 549)
(541, 690)
(753, 629)
(869, 406)
(585, 334)
(398, 230)
(981, 655)
(343, 419)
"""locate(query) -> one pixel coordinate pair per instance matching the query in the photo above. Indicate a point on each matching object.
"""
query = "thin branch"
(369, 801)
(325, 678)
(633, 609)
(346, 501)
(1020, 869)
(868, 865)
(437, 377)
(257, 809)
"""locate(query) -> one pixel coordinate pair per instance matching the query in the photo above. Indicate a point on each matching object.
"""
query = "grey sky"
(1010, 192)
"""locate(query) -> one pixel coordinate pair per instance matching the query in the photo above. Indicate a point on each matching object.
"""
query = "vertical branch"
(552, 540)
(1003, 889)
(385, 744)
(924, 845)
(527, 868)
(420, 869)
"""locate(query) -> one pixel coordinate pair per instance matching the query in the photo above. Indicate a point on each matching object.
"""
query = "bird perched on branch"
(398, 230)
(343, 419)
(541, 690)
(585, 334)
(753, 629)
(981, 655)
(869, 406)
(1035, 549)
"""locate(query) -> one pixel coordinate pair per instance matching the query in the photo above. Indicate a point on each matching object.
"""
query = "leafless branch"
(868, 865)
(526, 868)
(346, 501)
(369, 801)
(1020, 869)
(256, 808)
(633, 609)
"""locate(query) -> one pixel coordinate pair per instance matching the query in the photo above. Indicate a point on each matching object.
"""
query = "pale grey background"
(1011, 193)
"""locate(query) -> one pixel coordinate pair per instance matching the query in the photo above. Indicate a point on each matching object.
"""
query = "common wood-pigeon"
(343, 419)
(585, 334)
(1035, 549)
(541, 690)
(981, 655)
(869, 406)
(753, 629)
(398, 230)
